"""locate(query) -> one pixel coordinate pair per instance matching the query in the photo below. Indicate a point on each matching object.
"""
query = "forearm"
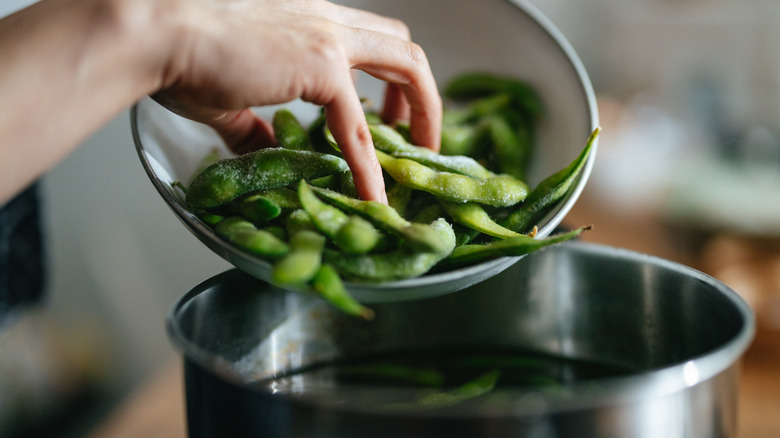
(68, 67)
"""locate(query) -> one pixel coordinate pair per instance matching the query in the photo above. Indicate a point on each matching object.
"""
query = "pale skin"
(69, 66)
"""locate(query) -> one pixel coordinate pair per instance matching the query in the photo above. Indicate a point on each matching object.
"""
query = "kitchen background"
(689, 96)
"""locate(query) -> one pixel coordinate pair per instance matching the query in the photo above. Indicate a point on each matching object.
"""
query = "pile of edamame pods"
(295, 205)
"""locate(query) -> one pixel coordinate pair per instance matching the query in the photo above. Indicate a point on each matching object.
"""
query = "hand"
(234, 54)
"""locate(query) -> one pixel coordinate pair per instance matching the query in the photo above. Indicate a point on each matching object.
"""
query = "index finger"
(403, 63)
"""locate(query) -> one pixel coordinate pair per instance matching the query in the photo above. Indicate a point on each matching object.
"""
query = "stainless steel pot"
(682, 331)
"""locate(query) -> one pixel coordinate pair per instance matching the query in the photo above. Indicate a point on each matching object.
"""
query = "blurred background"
(688, 169)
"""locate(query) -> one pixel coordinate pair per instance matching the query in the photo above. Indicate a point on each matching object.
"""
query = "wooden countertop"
(156, 409)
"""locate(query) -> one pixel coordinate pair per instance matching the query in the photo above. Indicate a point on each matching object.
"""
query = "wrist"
(151, 32)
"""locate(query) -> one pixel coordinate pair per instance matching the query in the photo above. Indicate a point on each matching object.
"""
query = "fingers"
(347, 123)
(402, 63)
(243, 131)
(395, 108)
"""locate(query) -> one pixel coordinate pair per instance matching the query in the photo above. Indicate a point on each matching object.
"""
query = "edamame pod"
(475, 217)
(259, 170)
(513, 246)
(289, 132)
(388, 140)
(510, 146)
(298, 220)
(243, 234)
(551, 190)
(302, 262)
(258, 208)
(498, 191)
(421, 236)
(473, 85)
(358, 237)
(400, 263)
(327, 283)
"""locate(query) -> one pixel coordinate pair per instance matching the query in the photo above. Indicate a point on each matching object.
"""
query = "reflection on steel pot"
(680, 332)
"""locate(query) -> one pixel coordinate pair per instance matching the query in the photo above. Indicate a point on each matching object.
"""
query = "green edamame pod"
(298, 220)
(473, 85)
(246, 236)
(302, 262)
(464, 140)
(264, 169)
(210, 218)
(510, 146)
(356, 238)
(327, 218)
(498, 191)
(422, 236)
(289, 132)
(513, 246)
(398, 197)
(327, 283)
(475, 217)
(478, 109)
(388, 140)
(402, 262)
(258, 208)
(551, 190)
(277, 231)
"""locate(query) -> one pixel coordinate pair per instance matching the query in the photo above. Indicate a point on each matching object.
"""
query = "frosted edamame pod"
(402, 262)
(513, 246)
(551, 190)
(243, 234)
(475, 217)
(498, 191)
(289, 132)
(357, 238)
(327, 283)
(263, 169)
(388, 140)
(302, 262)
(421, 236)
